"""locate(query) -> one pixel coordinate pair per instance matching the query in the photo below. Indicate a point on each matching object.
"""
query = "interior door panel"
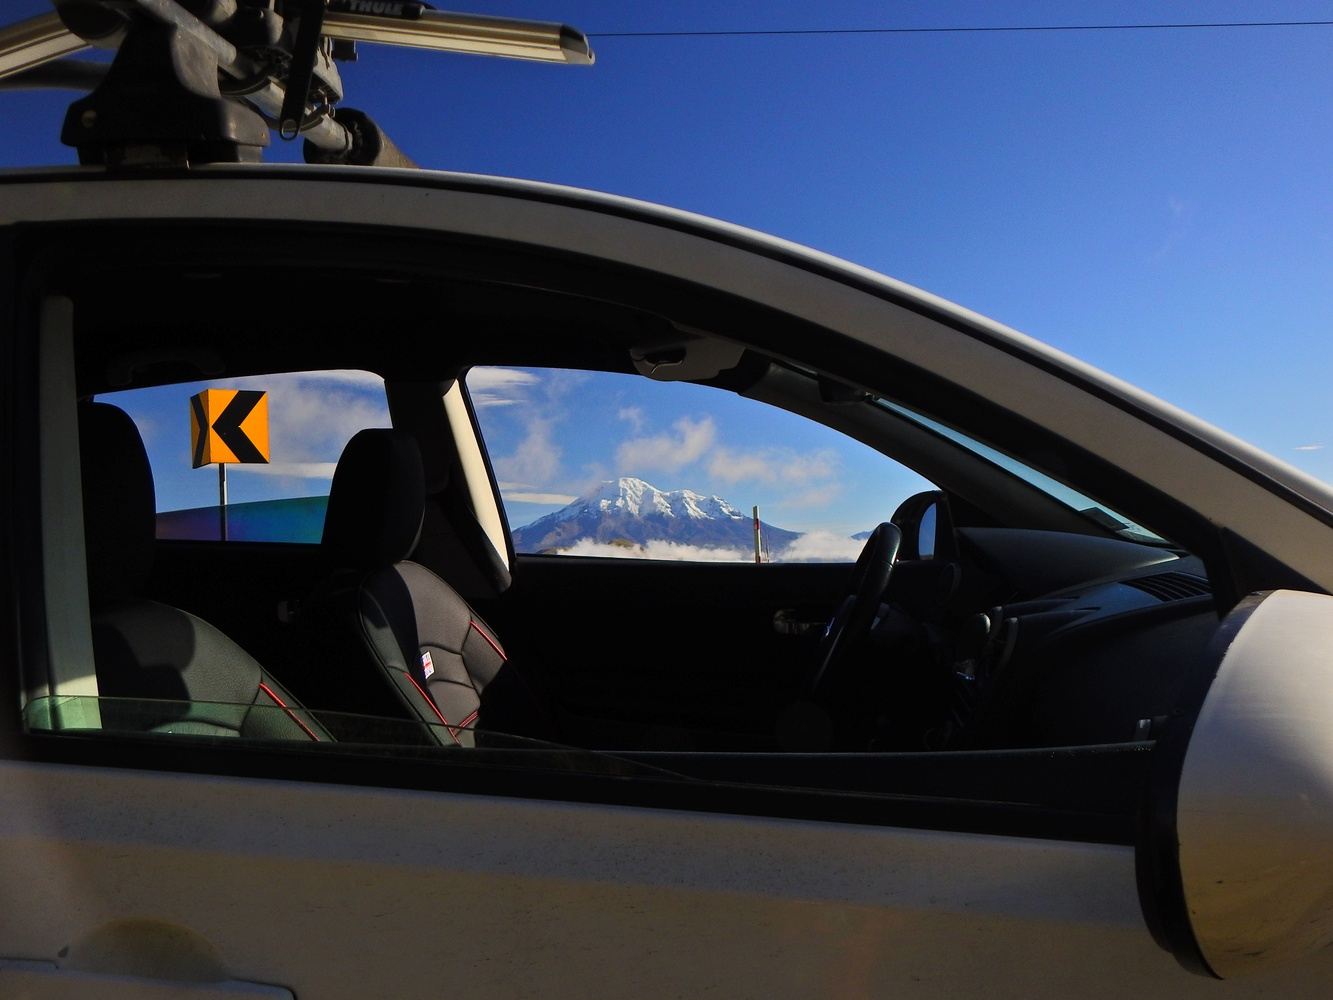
(675, 644)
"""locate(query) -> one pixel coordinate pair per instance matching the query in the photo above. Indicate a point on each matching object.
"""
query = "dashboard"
(1064, 663)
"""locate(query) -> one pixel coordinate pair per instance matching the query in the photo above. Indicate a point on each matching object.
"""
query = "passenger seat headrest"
(119, 506)
(377, 501)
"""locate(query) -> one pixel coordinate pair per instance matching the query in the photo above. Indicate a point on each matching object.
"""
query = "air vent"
(1171, 586)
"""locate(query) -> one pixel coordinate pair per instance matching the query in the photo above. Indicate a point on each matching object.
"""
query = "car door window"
(610, 464)
(310, 417)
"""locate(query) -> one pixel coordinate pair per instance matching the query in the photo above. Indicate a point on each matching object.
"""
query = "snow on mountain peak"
(638, 498)
(629, 512)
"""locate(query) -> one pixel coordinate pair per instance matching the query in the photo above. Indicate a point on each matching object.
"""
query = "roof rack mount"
(204, 81)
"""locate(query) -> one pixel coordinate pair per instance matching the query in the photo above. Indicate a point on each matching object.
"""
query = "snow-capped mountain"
(629, 510)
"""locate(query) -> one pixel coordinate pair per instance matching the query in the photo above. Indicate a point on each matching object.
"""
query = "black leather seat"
(176, 672)
(428, 650)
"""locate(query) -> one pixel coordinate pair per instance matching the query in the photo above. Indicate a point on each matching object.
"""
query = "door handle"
(788, 622)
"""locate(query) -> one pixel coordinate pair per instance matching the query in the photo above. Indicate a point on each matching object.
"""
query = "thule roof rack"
(204, 81)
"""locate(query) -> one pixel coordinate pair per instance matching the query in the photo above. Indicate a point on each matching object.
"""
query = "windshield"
(1093, 510)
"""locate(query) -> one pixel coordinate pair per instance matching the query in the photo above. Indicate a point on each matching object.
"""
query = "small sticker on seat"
(427, 667)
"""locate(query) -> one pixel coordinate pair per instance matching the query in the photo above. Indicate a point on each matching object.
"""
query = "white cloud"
(535, 463)
(733, 467)
(1309, 447)
(297, 470)
(499, 386)
(536, 460)
(519, 496)
(809, 467)
(656, 550)
(817, 496)
(822, 546)
(816, 546)
(772, 465)
(633, 415)
(592, 475)
(338, 378)
(351, 377)
(667, 452)
(312, 415)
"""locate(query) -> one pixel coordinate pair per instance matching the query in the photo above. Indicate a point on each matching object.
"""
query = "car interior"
(984, 617)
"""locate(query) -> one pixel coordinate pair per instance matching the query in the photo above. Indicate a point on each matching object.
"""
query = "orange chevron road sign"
(228, 426)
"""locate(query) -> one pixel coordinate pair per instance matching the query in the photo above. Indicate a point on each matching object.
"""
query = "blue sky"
(1157, 203)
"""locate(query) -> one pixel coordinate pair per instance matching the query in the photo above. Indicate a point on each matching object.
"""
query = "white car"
(1065, 729)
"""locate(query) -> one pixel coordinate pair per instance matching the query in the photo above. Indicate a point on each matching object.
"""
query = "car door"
(146, 862)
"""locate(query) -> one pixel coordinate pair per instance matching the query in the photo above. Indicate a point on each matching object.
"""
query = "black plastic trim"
(1157, 855)
(487, 773)
(32, 668)
(11, 624)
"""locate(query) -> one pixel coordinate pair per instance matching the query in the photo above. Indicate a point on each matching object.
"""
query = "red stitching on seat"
(433, 707)
(469, 720)
(290, 714)
(494, 645)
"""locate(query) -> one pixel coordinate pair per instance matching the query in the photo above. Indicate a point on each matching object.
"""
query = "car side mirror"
(927, 527)
(1234, 867)
(925, 532)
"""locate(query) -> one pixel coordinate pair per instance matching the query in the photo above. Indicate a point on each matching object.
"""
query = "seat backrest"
(174, 671)
(442, 663)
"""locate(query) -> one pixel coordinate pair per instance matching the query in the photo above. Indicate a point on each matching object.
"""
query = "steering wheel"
(851, 623)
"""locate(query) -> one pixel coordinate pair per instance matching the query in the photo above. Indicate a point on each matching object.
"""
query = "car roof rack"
(204, 81)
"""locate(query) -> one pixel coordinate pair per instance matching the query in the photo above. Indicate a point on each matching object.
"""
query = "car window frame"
(515, 555)
(918, 811)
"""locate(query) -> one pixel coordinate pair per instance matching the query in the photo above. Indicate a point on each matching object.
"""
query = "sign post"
(758, 542)
(228, 427)
(222, 501)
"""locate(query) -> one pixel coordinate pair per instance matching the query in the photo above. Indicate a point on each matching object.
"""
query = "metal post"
(222, 499)
(758, 556)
